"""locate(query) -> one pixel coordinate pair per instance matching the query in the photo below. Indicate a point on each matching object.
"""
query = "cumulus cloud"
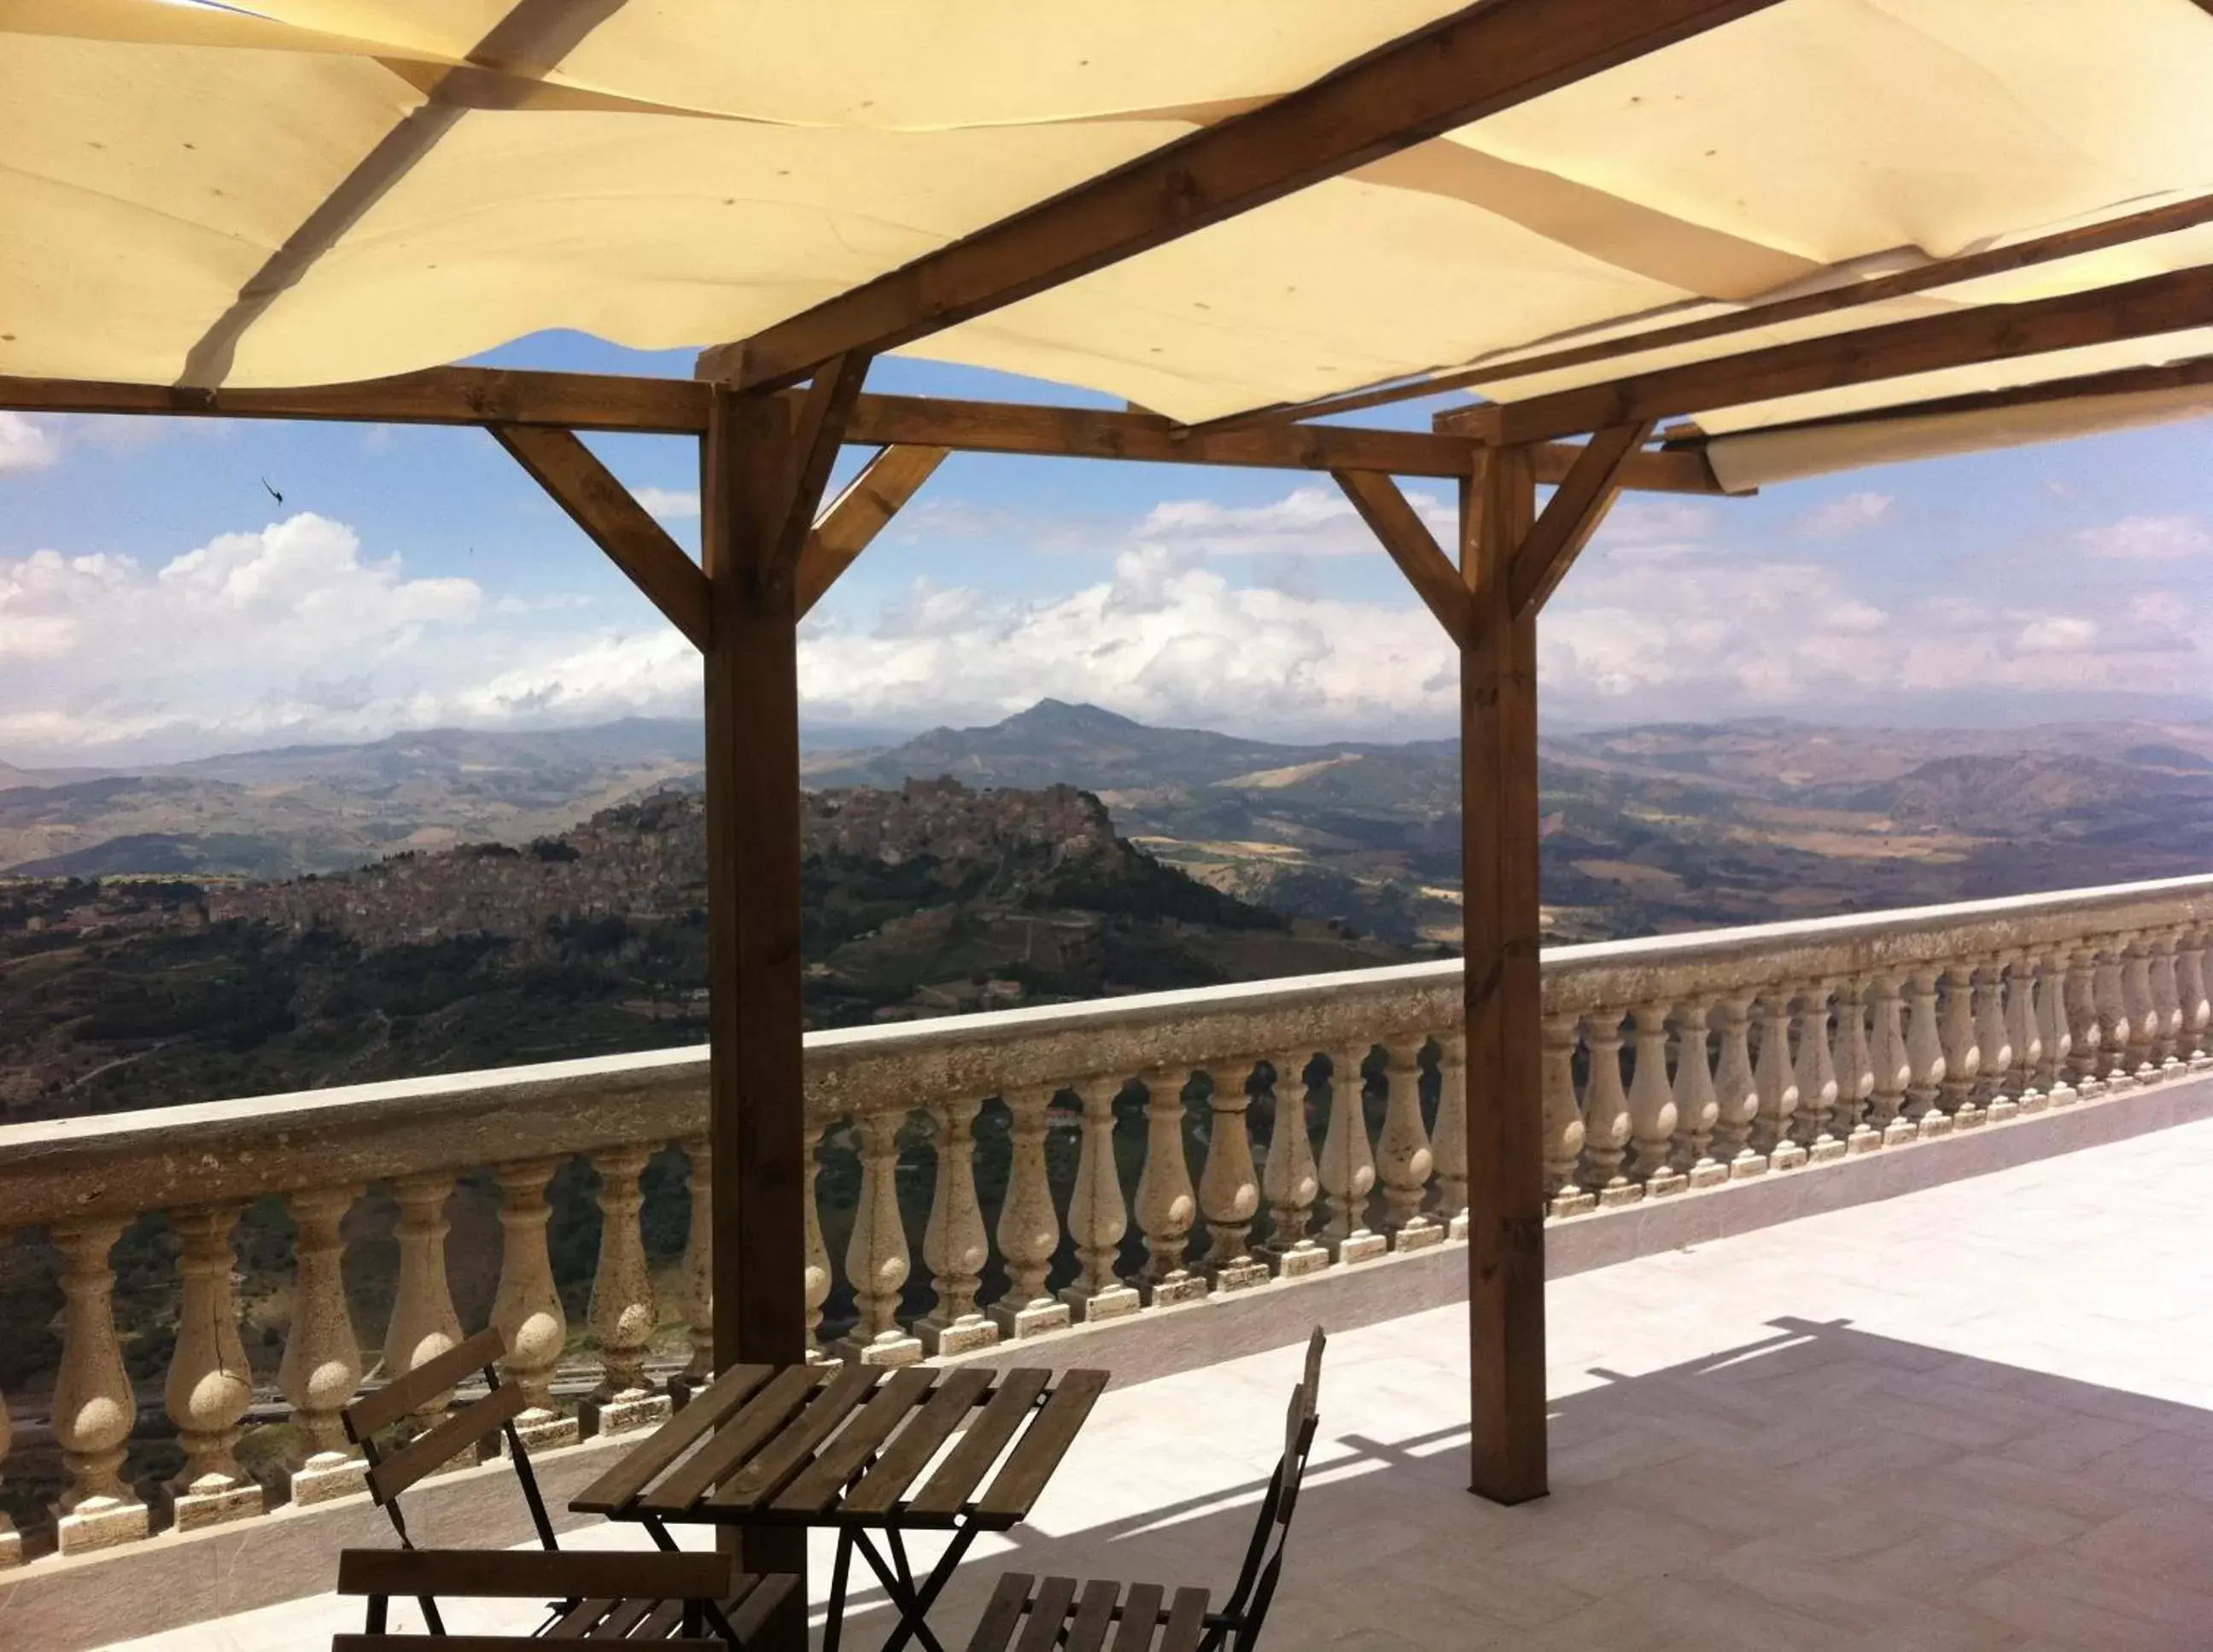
(26, 444)
(669, 504)
(1855, 513)
(288, 633)
(2147, 538)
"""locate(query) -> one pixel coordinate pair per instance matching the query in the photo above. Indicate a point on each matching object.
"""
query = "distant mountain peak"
(1052, 714)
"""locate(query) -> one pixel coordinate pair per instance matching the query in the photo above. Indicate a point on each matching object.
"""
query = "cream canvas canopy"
(309, 192)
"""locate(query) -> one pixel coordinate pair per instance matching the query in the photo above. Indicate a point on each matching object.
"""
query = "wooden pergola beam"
(1829, 301)
(869, 502)
(652, 406)
(819, 427)
(1477, 62)
(598, 503)
(1413, 546)
(2158, 304)
(1572, 515)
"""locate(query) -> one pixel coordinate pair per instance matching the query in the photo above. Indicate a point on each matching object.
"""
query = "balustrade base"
(625, 1413)
(1457, 1228)
(1969, 1117)
(1570, 1202)
(2199, 1062)
(1663, 1184)
(1706, 1173)
(11, 1544)
(1033, 1319)
(1826, 1149)
(1417, 1235)
(2002, 1108)
(1352, 1248)
(892, 1348)
(1095, 1307)
(1786, 1155)
(1242, 1274)
(1300, 1259)
(1167, 1291)
(99, 1523)
(1933, 1124)
(329, 1475)
(1746, 1164)
(211, 1501)
(1864, 1138)
(942, 1338)
(1618, 1192)
(2062, 1095)
(542, 1431)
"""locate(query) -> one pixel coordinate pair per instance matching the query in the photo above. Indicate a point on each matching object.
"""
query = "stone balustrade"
(1001, 1177)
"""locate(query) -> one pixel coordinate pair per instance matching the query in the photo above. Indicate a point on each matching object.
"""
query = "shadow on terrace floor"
(1819, 1488)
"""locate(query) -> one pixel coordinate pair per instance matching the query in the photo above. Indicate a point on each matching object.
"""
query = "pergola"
(1831, 232)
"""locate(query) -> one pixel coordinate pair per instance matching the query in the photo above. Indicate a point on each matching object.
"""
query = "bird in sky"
(273, 494)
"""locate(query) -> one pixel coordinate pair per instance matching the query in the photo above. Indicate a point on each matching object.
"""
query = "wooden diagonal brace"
(818, 429)
(1413, 547)
(1577, 506)
(869, 502)
(598, 503)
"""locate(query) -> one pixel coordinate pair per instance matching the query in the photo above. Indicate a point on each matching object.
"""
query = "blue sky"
(157, 603)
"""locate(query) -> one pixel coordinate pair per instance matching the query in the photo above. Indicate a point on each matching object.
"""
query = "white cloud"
(1852, 514)
(669, 504)
(26, 444)
(1311, 522)
(2147, 538)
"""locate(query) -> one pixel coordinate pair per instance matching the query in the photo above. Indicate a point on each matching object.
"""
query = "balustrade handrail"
(125, 1162)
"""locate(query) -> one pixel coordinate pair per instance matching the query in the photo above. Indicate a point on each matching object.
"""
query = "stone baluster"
(2079, 1005)
(2196, 1011)
(11, 1541)
(2056, 1038)
(1449, 1146)
(876, 1257)
(1994, 1042)
(209, 1386)
(1402, 1151)
(321, 1366)
(2116, 1032)
(1894, 1065)
(1736, 1090)
(1166, 1202)
(1816, 1074)
(1097, 1217)
(815, 1278)
(1855, 1069)
(1563, 1119)
(1963, 1054)
(955, 1245)
(624, 1312)
(699, 1257)
(1778, 1083)
(94, 1408)
(1652, 1105)
(1029, 1228)
(527, 1311)
(2025, 1033)
(2169, 1048)
(1697, 1106)
(1348, 1164)
(1228, 1184)
(424, 1324)
(1924, 1055)
(1606, 1113)
(2141, 1006)
(1289, 1182)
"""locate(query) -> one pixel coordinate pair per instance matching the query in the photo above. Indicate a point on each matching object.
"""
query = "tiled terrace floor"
(1977, 1416)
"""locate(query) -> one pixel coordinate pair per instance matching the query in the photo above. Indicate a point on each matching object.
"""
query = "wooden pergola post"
(1498, 848)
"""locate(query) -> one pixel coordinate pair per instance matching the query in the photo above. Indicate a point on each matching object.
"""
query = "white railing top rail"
(124, 1163)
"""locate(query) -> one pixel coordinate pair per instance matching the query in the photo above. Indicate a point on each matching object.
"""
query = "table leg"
(915, 1610)
(840, 1569)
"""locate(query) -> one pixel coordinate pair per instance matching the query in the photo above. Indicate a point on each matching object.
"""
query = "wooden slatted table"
(847, 1447)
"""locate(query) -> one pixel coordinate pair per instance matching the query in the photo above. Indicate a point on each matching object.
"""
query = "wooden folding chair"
(731, 1604)
(1062, 1615)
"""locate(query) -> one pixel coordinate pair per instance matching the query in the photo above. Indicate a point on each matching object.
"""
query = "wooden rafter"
(598, 503)
(1488, 58)
(1413, 546)
(1830, 301)
(870, 501)
(1572, 515)
(1991, 332)
(655, 406)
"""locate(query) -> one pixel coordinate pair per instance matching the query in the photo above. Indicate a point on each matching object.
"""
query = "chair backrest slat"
(412, 1390)
(521, 1574)
(1264, 1559)
(432, 1449)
